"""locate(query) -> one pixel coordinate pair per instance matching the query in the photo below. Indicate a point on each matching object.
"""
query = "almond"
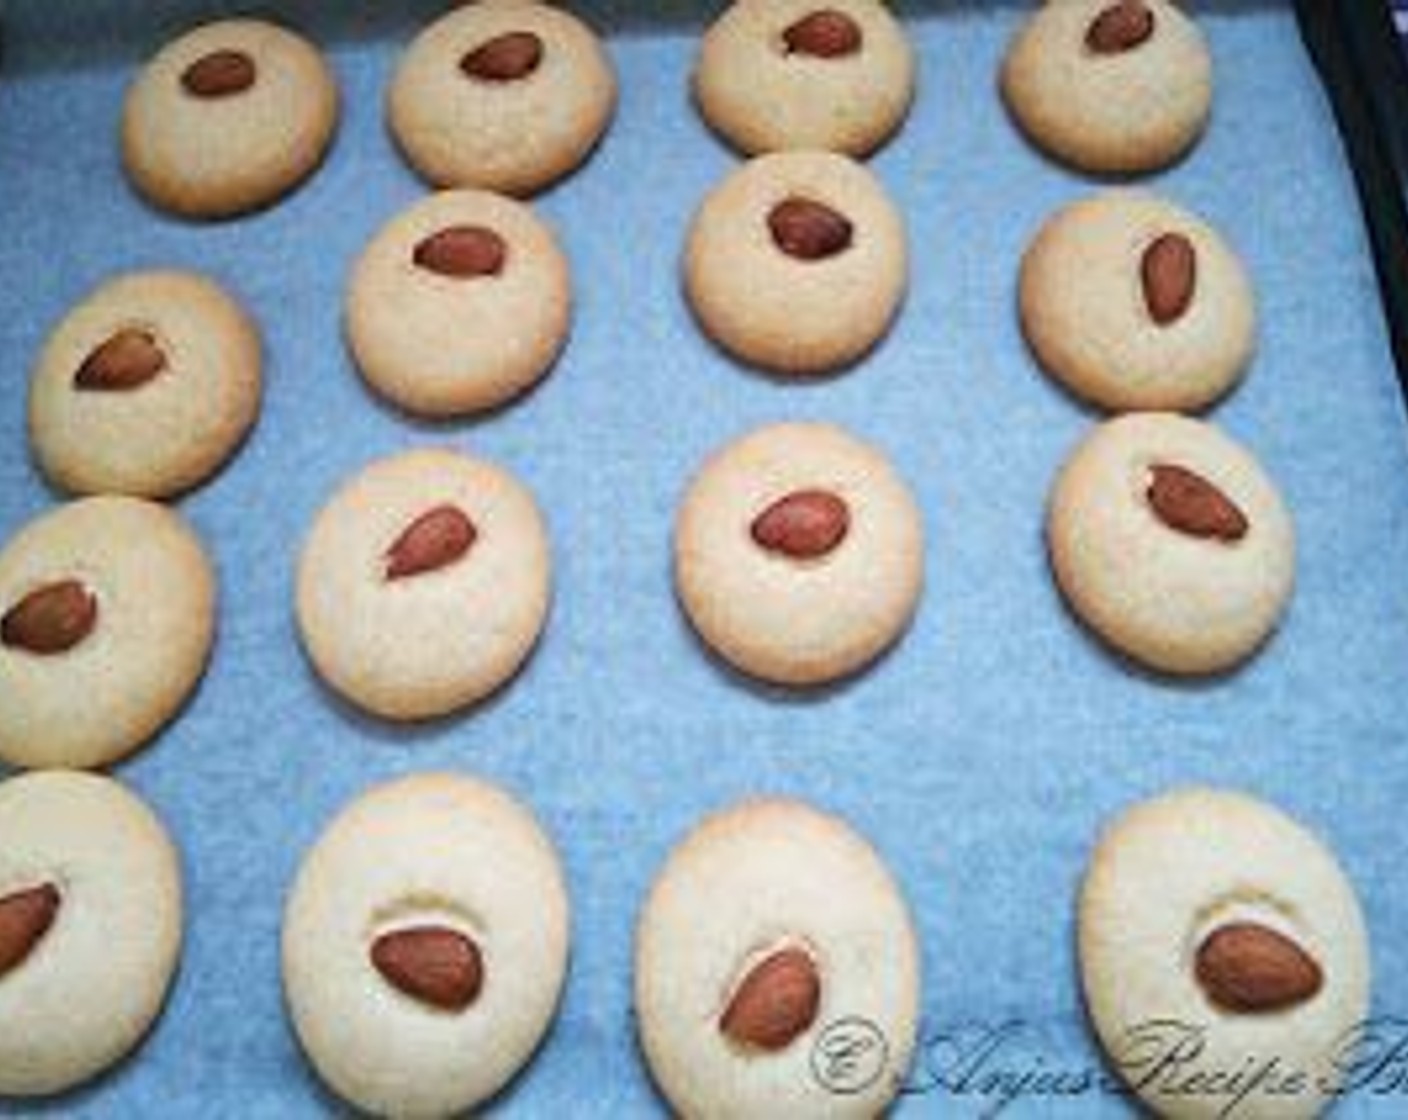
(1248, 968)
(505, 58)
(25, 917)
(804, 525)
(1188, 503)
(50, 619)
(1120, 27)
(128, 359)
(809, 231)
(776, 1002)
(433, 540)
(1169, 274)
(219, 74)
(432, 964)
(462, 252)
(825, 33)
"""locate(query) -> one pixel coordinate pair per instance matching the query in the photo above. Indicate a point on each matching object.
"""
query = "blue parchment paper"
(981, 757)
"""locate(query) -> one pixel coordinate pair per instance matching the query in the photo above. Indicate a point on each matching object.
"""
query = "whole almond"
(825, 33)
(776, 1002)
(219, 74)
(505, 58)
(50, 619)
(1248, 968)
(432, 964)
(462, 252)
(25, 917)
(128, 359)
(433, 540)
(1120, 27)
(1169, 272)
(1188, 503)
(809, 231)
(804, 525)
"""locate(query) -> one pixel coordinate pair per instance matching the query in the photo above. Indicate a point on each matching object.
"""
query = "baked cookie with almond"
(147, 387)
(797, 262)
(1131, 302)
(228, 118)
(425, 946)
(1170, 542)
(779, 74)
(773, 943)
(90, 927)
(459, 304)
(424, 584)
(1214, 926)
(799, 554)
(507, 95)
(107, 617)
(1110, 86)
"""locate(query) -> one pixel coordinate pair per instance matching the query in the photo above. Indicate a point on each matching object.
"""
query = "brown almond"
(462, 252)
(804, 525)
(825, 33)
(1120, 27)
(1169, 272)
(1248, 968)
(809, 231)
(776, 1002)
(219, 74)
(433, 540)
(433, 964)
(1188, 503)
(128, 359)
(505, 58)
(25, 917)
(50, 619)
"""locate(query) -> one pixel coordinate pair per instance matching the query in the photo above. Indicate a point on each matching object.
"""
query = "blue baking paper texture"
(981, 757)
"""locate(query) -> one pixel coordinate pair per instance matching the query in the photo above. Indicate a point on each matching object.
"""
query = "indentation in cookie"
(462, 252)
(775, 1000)
(1188, 503)
(25, 917)
(51, 619)
(809, 230)
(127, 359)
(825, 33)
(437, 538)
(804, 525)
(221, 73)
(505, 58)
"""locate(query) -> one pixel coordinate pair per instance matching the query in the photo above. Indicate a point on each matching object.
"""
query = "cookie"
(797, 262)
(799, 554)
(107, 615)
(228, 118)
(509, 95)
(1171, 543)
(1213, 926)
(425, 945)
(90, 927)
(459, 304)
(1110, 86)
(1133, 303)
(147, 387)
(780, 74)
(773, 944)
(423, 584)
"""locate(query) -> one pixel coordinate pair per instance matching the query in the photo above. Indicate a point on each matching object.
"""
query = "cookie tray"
(981, 757)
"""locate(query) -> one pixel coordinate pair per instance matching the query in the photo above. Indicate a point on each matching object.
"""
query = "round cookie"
(227, 118)
(424, 584)
(1110, 86)
(799, 554)
(425, 945)
(510, 95)
(147, 387)
(90, 927)
(1215, 925)
(1133, 303)
(430, 297)
(1171, 543)
(107, 615)
(797, 262)
(773, 939)
(830, 74)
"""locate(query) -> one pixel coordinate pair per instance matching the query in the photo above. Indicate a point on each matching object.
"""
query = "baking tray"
(981, 757)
